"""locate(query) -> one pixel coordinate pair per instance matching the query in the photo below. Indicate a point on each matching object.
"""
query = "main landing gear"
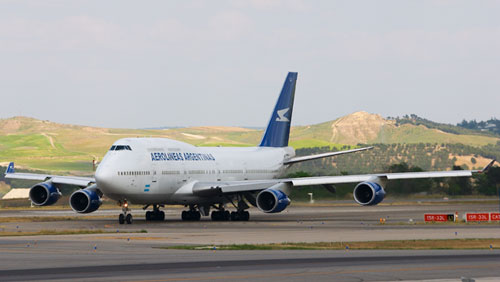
(220, 214)
(240, 216)
(191, 215)
(125, 216)
(156, 214)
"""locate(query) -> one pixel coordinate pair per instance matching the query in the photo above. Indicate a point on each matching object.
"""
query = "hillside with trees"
(410, 142)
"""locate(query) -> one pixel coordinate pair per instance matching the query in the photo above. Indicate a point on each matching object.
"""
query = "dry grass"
(49, 218)
(450, 244)
(62, 232)
(51, 232)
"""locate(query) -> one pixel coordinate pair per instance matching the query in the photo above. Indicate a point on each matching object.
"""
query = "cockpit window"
(120, 148)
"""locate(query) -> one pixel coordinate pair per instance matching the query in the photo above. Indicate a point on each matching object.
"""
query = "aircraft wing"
(324, 155)
(56, 179)
(384, 176)
(228, 187)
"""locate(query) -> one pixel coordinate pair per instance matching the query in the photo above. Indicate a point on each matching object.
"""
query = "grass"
(446, 244)
(73, 147)
(48, 218)
(309, 143)
(62, 232)
(412, 134)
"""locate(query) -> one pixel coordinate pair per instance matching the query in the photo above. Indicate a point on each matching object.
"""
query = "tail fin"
(10, 168)
(278, 129)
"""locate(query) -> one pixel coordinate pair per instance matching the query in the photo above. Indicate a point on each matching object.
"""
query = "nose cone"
(105, 179)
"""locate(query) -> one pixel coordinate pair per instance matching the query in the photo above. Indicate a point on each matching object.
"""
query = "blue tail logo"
(278, 129)
(281, 115)
(10, 168)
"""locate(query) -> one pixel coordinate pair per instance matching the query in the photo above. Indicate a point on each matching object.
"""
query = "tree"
(459, 185)
(487, 183)
(410, 186)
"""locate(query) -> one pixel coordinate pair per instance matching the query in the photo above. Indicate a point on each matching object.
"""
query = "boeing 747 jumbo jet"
(158, 171)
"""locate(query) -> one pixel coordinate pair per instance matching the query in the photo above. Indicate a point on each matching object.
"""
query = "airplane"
(155, 172)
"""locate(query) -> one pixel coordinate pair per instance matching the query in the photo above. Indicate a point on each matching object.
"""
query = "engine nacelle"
(368, 193)
(86, 200)
(44, 194)
(272, 201)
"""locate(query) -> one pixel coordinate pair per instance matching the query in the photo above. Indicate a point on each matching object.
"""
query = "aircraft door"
(152, 185)
(218, 172)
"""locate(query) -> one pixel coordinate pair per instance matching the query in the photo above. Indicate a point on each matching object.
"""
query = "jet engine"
(272, 201)
(86, 200)
(368, 193)
(44, 194)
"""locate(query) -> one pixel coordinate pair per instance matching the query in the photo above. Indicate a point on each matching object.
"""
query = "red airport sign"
(477, 216)
(495, 216)
(428, 217)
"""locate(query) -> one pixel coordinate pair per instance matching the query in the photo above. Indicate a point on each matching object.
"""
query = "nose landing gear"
(125, 216)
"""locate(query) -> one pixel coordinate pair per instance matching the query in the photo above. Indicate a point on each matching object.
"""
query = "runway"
(288, 266)
(136, 256)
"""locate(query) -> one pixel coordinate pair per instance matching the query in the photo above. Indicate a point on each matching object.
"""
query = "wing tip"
(488, 166)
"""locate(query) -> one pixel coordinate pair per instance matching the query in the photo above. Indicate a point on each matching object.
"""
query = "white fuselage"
(163, 171)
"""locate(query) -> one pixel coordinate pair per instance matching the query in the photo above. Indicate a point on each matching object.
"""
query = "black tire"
(184, 215)
(129, 219)
(148, 215)
(245, 216)
(121, 219)
(196, 215)
(226, 215)
(234, 216)
(215, 216)
(161, 216)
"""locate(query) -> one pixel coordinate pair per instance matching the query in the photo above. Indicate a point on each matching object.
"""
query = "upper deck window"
(120, 148)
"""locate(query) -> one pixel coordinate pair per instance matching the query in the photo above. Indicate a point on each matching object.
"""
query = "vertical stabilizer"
(278, 129)
(10, 168)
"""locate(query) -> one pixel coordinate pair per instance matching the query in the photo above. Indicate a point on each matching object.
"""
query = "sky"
(140, 64)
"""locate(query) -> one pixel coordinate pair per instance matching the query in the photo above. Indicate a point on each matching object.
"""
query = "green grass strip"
(441, 244)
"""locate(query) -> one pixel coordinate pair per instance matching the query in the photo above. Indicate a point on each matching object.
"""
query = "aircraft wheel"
(216, 216)
(184, 215)
(121, 218)
(161, 216)
(196, 215)
(226, 215)
(245, 216)
(234, 216)
(148, 215)
(128, 218)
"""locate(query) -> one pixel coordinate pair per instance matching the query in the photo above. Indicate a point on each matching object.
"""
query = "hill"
(64, 148)
(366, 128)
